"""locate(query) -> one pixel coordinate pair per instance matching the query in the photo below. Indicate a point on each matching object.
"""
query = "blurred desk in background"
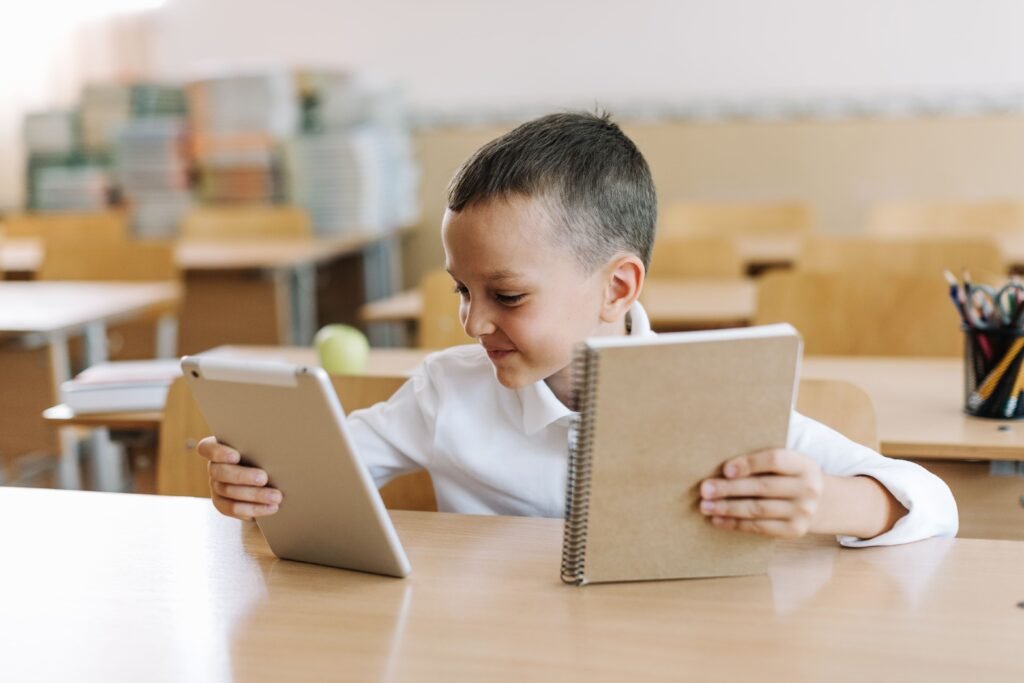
(919, 407)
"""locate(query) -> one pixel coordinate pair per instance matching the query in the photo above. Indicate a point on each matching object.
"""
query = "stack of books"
(60, 175)
(236, 121)
(121, 386)
(71, 188)
(104, 109)
(152, 173)
(86, 159)
(353, 168)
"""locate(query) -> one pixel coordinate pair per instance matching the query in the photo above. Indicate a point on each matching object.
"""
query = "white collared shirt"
(493, 450)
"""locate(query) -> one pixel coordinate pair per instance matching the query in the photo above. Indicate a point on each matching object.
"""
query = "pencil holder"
(994, 373)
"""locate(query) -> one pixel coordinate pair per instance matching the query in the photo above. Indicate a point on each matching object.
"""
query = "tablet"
(287, 420)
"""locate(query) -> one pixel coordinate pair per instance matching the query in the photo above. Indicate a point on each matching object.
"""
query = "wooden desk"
(127, 588)
(260, 291)
(917, 401)
(20, 258)
(683, 304)
(699, 304)
(919, 404)
(36, 321)
(919, 407)
(760, 252)
(273, 292)
(381, 362)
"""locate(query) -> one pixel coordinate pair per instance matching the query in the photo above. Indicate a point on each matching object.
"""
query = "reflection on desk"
(157, 588)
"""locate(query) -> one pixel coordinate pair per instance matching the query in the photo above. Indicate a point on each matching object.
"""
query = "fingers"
(237, 474)
(247, 494)
(754, 508)
(242, 510)
(237, 491)
(213, 451)
(756, 487)
(773, 461)
(775, 528)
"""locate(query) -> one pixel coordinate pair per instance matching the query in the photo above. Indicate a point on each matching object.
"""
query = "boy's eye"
(509, 299)
(461, 290)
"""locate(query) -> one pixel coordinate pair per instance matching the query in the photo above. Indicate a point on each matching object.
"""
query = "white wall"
(471, 53)
(458, 56)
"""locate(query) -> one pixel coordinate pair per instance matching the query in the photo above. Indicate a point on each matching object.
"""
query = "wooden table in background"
(270, 292)
(101, 587)
(252, 291)
(919, 407)
(682, 304)
(381, 362)
(36, 321)
(917, 403)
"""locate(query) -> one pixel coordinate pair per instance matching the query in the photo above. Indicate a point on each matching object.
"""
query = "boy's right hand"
(237, 490)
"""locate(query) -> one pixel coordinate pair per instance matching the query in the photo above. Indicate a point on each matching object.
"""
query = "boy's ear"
(625, 279)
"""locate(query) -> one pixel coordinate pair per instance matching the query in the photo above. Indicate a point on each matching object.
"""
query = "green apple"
(342, 349)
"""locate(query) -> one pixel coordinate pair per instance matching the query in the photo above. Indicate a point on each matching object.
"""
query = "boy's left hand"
(773, 492)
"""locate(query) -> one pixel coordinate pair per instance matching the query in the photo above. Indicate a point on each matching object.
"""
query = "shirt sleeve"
(394, 437)
(931, 509)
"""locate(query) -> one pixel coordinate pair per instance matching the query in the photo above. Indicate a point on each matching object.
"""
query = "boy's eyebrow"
(497, 275)
(502, 275)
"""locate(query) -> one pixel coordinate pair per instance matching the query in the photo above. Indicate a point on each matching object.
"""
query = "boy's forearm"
(856, 506)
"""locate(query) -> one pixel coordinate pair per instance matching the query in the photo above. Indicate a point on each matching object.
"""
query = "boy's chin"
(514, 379)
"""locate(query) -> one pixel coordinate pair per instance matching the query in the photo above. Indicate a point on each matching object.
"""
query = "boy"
(547, 237)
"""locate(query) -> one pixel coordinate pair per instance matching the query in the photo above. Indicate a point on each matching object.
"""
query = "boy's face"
(522, 295)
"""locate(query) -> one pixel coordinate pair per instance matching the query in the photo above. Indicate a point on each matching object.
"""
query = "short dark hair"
(596, 183)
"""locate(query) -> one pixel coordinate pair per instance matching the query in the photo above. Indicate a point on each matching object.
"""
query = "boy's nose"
(475, 321)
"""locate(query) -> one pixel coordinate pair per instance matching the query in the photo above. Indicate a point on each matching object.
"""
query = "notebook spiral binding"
(577, 496)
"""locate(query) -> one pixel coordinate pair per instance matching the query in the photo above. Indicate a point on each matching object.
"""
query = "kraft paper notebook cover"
(658, 415)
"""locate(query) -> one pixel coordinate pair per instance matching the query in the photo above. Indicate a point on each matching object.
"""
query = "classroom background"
(255, 179)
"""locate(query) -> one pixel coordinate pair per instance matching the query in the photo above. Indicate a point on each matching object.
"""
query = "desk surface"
(685, 303)
(917, 401)
(112, 587)
(25, 255)
(696, 303)
(382, 362)
(52, 307)
(919, 407)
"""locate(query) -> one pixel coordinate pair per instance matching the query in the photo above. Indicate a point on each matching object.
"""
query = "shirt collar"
(541, 407)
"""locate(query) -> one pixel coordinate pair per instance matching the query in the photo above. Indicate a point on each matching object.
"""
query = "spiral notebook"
(658, 415)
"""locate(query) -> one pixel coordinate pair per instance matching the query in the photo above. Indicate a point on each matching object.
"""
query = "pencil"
(1018, 386)
(981, 394)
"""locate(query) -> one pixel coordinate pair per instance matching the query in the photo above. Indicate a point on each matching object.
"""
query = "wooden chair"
(703, 257)
(68, 228)
(916, 219)
(181, 472)
(116, 261)
(694, 219)
(841, 405)
(246, 221)
(439, 324)
(871, 313)
(927, 256)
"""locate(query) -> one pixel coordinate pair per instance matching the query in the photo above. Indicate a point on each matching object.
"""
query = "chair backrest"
(841, 405)
(246, 221)
(691, 218)
(181, 472)
(124, 261)
(925, 256)
(705, 257)
(68, 228)
(868, 313)
(439, 324)
(917, 219)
